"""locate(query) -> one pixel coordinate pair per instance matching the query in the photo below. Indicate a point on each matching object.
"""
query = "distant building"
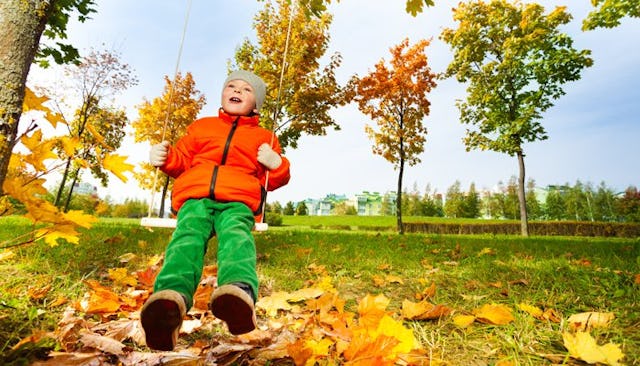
(84, 188)
(365, 203)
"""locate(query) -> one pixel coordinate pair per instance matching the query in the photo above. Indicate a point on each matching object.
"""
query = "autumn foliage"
(313, 325)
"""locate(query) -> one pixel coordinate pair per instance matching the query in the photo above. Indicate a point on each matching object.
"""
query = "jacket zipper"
(214, 176)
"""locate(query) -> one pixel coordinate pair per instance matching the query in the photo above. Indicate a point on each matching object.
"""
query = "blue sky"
(593, 130)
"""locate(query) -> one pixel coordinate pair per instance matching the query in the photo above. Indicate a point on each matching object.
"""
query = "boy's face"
(238, 98)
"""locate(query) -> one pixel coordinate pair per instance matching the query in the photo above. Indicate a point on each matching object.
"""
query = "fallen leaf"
(583, 346)
(6, 254)
(532, 310)
(463, 321)
(101, 343)
(589, 320)
(496, 314)
(38, 293)
(121, 277)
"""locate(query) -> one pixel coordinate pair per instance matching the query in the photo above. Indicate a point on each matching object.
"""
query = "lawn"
(562, 276)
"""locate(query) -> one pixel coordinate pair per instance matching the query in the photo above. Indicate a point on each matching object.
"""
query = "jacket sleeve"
(179, 157)
(280, 176)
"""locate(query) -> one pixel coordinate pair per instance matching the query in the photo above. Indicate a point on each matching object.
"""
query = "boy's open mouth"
(235, 99)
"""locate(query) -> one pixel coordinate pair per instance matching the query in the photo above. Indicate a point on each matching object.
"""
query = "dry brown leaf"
(589, 320)
(38, 293)
(101, 343)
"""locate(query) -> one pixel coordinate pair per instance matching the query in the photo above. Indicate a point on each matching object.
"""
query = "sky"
(593, 130)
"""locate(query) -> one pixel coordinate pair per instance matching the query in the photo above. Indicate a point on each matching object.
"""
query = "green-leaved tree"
(514, 59)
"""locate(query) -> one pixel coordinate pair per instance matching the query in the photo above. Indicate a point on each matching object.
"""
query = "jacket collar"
(252, 120)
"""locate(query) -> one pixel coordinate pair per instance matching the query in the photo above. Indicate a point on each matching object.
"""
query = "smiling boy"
(220, 168)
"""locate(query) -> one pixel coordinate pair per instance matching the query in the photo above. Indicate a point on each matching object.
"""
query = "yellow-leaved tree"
(395, 97)
(166, 118)
(29, 166)
(301, 103)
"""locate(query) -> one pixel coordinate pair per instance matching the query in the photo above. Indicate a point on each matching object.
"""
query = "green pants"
(198, 221)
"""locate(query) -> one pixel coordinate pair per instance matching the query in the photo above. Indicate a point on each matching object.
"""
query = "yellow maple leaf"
(496, 314)
(583, 346)
(392, 328)
(70, 144)
(372, 309)
(40, 150)
(96, 135)
(52, 234)
(319, 349)
(534, 311)
(463, 321)
(33, 102)
(80, 218)
(273, 303)
(117, 165)
(121, 277)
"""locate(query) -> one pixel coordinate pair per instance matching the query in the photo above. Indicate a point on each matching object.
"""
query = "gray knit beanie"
(259, 87)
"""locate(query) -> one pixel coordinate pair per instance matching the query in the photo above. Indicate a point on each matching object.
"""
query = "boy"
(219, 167)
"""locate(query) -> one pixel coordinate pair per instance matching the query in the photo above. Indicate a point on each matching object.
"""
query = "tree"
(471, 204)
(301, 209)
(413, 7)
(395, 97)
(629, 205)
(166, 118)
(98, 127)
(515, 61)
(608, 13)
(23, 22)
(289, 209)
(453, 200)
(301, 103)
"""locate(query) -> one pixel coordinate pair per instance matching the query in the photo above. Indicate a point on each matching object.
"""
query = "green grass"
(569, 275)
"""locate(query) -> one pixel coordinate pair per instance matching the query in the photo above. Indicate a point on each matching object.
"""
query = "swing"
(171, 222)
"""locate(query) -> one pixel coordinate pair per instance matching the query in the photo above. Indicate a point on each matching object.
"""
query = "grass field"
(568, 275)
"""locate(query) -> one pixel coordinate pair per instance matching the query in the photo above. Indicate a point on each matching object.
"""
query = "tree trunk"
(524, 224)
(22, 23)
(63, 182)
(75, 175)
(399, 198)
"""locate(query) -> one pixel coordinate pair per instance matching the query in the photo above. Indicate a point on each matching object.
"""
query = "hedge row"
(560, 228)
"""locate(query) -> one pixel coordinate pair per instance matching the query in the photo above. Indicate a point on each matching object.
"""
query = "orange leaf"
(423, 310)
(101, 299)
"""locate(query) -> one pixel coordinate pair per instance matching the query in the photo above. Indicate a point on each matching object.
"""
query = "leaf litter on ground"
(304, 327)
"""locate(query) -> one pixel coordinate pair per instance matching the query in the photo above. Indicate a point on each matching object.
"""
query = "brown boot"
(161, 318)
(235, 306)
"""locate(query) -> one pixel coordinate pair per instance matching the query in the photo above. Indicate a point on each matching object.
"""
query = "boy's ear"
(255, 111)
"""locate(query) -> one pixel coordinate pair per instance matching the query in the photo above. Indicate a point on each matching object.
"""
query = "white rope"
(170, 103)
(277, 109)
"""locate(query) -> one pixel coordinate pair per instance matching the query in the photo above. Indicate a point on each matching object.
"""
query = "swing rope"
(276, 112)
(170, 103)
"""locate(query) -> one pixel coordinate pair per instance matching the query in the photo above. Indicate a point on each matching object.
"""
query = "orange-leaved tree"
(166, 118)
(307, 94)
(395, 97)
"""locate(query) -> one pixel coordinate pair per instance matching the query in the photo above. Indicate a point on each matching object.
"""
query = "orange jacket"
(217, 159)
